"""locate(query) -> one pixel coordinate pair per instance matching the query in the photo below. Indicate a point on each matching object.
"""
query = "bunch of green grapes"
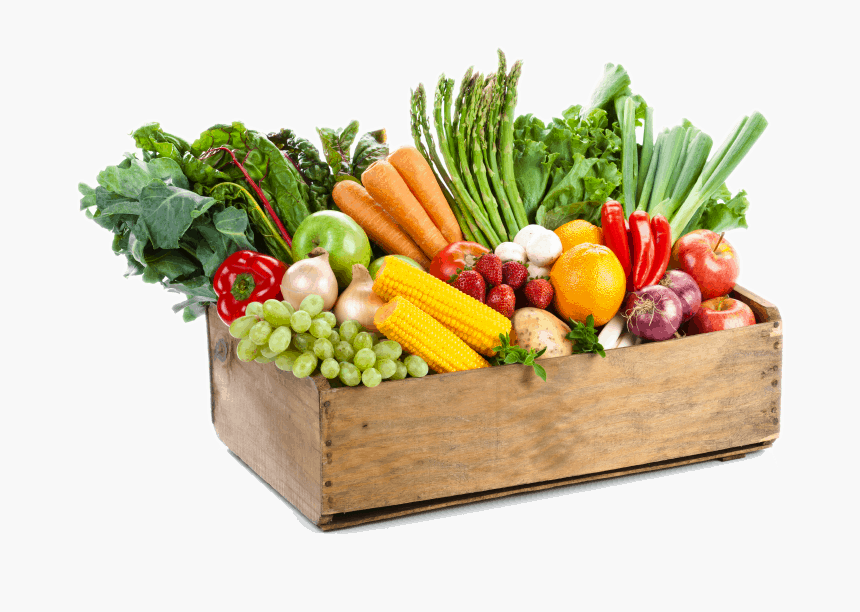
(306, 340)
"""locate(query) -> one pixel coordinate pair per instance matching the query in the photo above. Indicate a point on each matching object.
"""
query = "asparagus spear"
(451, 124)
(419, 117)
(506, 139)
(478, 165)
(443, 92)
(467, 117)
(489, 151)
(496, 96)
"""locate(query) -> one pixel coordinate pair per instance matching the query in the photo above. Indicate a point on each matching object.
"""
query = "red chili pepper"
(643, 247)
(244, 277)
(662, 249)
(615, 233)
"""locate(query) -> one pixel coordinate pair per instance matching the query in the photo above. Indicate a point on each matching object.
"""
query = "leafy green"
(584, 337)
(505, 354)
(371, 147)
(168, 233)
(316, 173)
(336, 145)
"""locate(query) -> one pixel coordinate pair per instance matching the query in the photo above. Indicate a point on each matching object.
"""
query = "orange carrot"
(391, 192)
(418, 174)
(352, 199)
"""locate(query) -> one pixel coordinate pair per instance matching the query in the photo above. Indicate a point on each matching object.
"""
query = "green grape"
(330, 368)
(247, 350)
(343, 351)
(300, 321)
(280, 339)
(285, 360)
(416, 366)
(262, 359)
(349, 374)
(268, 353)
(320, 328)
(364, 358)
(386, 367)
(254, 309)
(323, 348)
(388, 349)
(304, 365)
(334, 337)
(240, 327)
(328, 315)
(288, 306)
(401, 372)
(362, 340)
(312, 304)
(303, 342)
(371, 377)
(260, 332)
(276, 313)
(349, 329)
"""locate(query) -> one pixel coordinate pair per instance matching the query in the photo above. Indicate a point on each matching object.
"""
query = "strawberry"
(490, 267)
(539, 292)
(514, 274)
(473, 284)
(502, 299)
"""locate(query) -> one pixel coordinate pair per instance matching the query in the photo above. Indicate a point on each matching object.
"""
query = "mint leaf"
(584, 337)
(507, 354)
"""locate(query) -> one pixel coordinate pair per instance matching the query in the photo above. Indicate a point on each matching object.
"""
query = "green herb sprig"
(584, 337)
(514, 354)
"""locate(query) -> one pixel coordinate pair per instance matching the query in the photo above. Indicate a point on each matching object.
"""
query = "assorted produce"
(496, 239)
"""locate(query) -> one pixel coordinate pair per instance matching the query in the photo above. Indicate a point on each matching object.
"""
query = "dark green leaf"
(169, 211)
(129, 181)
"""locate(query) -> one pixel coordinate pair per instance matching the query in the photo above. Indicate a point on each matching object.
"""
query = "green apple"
(377, 263)
(340, 235)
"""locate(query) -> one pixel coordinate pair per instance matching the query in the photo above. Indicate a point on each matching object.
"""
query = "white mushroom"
(511, 251)
(543, 248)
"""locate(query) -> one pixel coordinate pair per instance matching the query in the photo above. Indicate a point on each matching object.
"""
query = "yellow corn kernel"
(475, 323)
(420, 334)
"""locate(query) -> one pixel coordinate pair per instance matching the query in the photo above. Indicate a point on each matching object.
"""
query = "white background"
(117, 493)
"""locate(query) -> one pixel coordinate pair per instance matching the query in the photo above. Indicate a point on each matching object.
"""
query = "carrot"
(415, 170)
(392, 193)
(352, 199)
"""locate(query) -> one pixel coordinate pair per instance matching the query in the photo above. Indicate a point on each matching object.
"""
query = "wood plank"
(351, 519)
(270, 419)
(453, 434)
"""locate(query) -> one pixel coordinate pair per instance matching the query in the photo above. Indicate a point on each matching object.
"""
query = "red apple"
(720, 313)
(714, 271)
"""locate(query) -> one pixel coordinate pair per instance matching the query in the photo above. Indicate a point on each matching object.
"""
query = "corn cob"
(422, 335)
(475, 323)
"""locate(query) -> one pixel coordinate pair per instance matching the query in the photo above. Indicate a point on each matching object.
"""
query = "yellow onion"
(310, 276)
(358, 302)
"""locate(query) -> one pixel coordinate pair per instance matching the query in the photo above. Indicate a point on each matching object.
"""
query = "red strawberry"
(514, 274)
(502, 299)
(490, 267)
(539, 292)
(471, 283)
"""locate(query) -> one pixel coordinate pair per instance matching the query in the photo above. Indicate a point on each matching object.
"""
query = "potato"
(533, 328)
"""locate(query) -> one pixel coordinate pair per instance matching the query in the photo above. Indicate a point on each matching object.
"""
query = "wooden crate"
(345, 456)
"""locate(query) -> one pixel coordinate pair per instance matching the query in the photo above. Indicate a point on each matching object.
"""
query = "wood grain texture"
(452, 434)
(270, 419)
(351, 519)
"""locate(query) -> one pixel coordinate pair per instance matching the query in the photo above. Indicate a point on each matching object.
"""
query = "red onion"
(653, 312)
(683, 285)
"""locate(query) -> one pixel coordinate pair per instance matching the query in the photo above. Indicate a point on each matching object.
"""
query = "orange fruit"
(588, 280)
(577, 232)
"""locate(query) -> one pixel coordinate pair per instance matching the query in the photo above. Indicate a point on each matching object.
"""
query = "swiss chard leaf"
(370, 147)
(336, 145)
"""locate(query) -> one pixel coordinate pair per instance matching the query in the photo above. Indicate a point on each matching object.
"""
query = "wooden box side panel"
(270, 419)
(452, 434)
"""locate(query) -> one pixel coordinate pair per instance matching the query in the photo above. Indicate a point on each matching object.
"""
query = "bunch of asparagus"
(476, 141)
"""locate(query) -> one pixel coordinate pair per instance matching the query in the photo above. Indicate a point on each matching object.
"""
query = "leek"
(718, 168)
(629, 157)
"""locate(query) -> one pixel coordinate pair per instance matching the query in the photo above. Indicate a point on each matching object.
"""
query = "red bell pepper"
(662, 249)
(245, 277)
(643, 247)
(615, 233)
